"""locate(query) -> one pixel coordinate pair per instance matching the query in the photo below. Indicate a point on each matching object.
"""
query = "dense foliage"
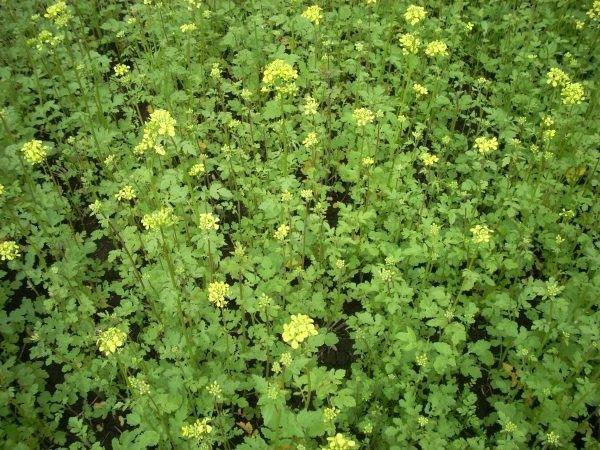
(273, 224)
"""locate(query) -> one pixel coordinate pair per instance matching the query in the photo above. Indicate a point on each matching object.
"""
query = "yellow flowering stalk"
(9, 250)
(310, 106)
(160, 125)
(279, 76)
(339, 442)
(111, 339)
(217, 291)
(410, 43)
(208, 221)
(436, 48)
(481, 234)
(126, 193)
(198, 430)
(428, 159)
(298, 329)
(34, 151)
(367, 161)
(363, 116)
(59, 13)
(420, 90)
(594, 12)
(414, 14)
(556, 77)
(311, 140)
(164, 217)
(572, 94)
(1, 189)
(196, 169)
(314, 14)
(281, 232)
(121, 70)
(485, 145)
(187, 27)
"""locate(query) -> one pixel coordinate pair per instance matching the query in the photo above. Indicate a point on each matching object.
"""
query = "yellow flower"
(9, 250)
(58, 13)
(414, 14)
(313, 13)
(298, 329)
(286, 196)
(126, 193)
(34, 151)
(281, 232)
(594, 12)
(279, 75)
(311, 140)
(363, 116)
(187, 27)
(160, 125)
(486, 145)
(481, 234)
(422, 420)
(436, 48)
(208, 222)
(420, 90)
(111, 339)
(164, 217)
(196, 169)
(572, 94)
(410, 43)
(121, 70)
(198, 430)
(310, 106)
(217, 291)
(140, 386)
(428, 159)
(367, 161)
(215, 390)
(1, 189)
(556, 77)
(422, 360)
(339, 442)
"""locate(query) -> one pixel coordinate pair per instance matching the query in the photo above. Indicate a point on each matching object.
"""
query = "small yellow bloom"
(481, 234)
(436, 48)
(486, 145)
(281, 232)
(196, 169)
(414, 14)
(420, 90)
(363, 116)
(187, 27)
(279, 76)
(198, 430)
(208, 222)
(310, 106)
(121, 70)
(410, 43)
(217, 291)
(339, 442)
(313, 13)
(367, 161)
(111, 339)
(9, 250)
(298, 329)
(428, 159)
(164, 217)
(311, 140)
(126, 193)
(556, 77)
(572, 94)
(34, 151)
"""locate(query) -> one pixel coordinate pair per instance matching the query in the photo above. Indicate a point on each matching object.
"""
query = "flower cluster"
(313, 13)
(111, 339)
(279, 76)
(217, 291)
(126, 193)
(215, 390)
(420, 90)
(428, 159)
(281, 232)
(330, 414)
(45, 40)
(298, 329)
(310, 140)
(121, 70)
(310, 106)
(187, 27)
(423, 421)
(409, 43)
(556, 77)
(572, 94)
(160, 125)
(594, 12)
(9, 250)
(421, 360)
(58, 13)
(339, 442)
(363, 116)
(208, 221)
(436, 48)
(198, 430)
(141, 387)
(163, 217)
(485, 145)
(196, 169)
(481, 234)
(414, 14)
(34, 151)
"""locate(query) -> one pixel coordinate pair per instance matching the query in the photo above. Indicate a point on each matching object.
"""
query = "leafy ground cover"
(273, 224)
